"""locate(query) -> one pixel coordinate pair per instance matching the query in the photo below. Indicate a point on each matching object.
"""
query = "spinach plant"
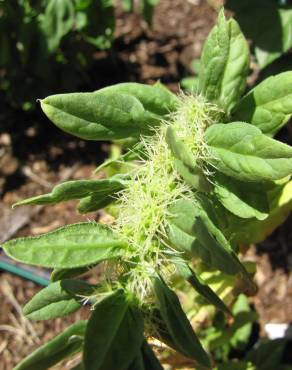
(203, 171)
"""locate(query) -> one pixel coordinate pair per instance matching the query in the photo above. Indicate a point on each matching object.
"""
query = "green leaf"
(150, 360)
(185, 163)
(268, 354)
(57, 21)
(71, 246)
(265, 57)
(56, 300)
(190, 84)
(94, 202)
(224, 64)
(269, 42)
(217, 251)
(156, 98)
(178, 324)
(191, 230)
(245, 231)
(98, 23)
(160, 330)
(146, 359)
(179, 149)
(195, 178)
(200, 286)
(242, 326)
(182, 215)
(78, 189)
(137, 364)
(59, 274)
(62, 346)
(269, 105)
(242, 151)
(114, 334)
(78, 287)
(99, 115)
(243, 199)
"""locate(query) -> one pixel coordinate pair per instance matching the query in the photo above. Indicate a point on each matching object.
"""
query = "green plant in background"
(49, 45)
(45, 45)
(204, 174)
(146, 7)
(268, 23)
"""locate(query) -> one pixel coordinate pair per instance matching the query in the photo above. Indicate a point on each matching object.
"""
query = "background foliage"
(48, 46)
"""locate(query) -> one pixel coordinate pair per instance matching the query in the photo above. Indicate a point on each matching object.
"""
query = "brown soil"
(38, 156)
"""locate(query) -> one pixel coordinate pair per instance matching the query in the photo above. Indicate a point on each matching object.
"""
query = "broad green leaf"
(59, 274)
(94, 202)
(99, 115)
(271, 32)
(224, 64)
(150, 360)
(192, 177)
(57, 21)
(191, 230)
(71, 246)
(268, 354)
(218, 251)
(138, 363)
(185, 229)
(255, 231)
(156, 98)
(242, 326)
(78, 287)
(265, 57)
(56, 300)
(185, 163)
(244, 199)
(200, 286)
(114, 334)
(146, 360)
(178, 324)
(78, 189)
(160, 330)
(62, 346)
(269, 105)
(179, 149)
(242, 151)
(180, 238)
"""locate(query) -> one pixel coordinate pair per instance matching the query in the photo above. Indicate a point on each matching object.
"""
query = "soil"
(35, 155)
